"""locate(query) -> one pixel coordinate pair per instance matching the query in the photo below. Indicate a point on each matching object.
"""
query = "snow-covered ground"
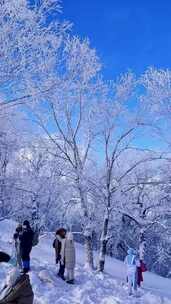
(90, 288)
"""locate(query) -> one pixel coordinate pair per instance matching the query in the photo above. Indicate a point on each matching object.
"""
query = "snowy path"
(89, 288)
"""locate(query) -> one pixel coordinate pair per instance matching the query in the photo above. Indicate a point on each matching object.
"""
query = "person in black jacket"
(26, 243)
(58, 245)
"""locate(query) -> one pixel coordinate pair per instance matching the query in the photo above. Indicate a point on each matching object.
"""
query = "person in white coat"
(69, 257)
(17, 246)
(132, 262)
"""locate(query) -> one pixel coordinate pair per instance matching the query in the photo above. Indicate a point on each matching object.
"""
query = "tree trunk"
(102, 255)
(88, 252)
(142, 244)
(103, 245)
(88, 242)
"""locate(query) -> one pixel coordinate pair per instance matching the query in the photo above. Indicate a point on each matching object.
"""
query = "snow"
(107, 288)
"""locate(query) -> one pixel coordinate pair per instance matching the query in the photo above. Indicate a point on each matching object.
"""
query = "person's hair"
(61, 232)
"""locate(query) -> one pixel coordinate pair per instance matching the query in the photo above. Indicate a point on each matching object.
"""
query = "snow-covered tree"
(156, 87)
(30, 42)
(120, 123)
(71, 151)
(9, 144)
(67, 118)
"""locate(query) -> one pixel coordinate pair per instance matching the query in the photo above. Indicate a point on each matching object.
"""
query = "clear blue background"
(128, 34)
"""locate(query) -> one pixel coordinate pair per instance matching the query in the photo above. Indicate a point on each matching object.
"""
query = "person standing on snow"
(58, 245)
(17, 245)
(69, 258)
(140, 269)
(17, 289)
(26, 244)
(132, 262)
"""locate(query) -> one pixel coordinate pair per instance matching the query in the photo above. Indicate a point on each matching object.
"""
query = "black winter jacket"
(26, 241)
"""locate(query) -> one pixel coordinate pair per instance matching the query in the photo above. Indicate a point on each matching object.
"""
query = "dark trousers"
(61, 270)
(25, 256)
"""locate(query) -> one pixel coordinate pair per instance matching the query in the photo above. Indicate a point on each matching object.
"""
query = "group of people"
(23, 242)
(18, 289)
(134, 269)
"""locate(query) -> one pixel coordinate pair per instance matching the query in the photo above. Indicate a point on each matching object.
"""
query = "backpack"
(35, 240)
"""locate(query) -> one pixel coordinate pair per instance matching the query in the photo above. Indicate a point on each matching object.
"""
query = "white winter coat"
(131, 264)
(69, 252)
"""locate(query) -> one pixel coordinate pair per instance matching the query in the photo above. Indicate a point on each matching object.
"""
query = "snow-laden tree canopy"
(75, 149)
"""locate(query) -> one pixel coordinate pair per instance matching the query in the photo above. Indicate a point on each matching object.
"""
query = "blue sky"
(128, 34)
